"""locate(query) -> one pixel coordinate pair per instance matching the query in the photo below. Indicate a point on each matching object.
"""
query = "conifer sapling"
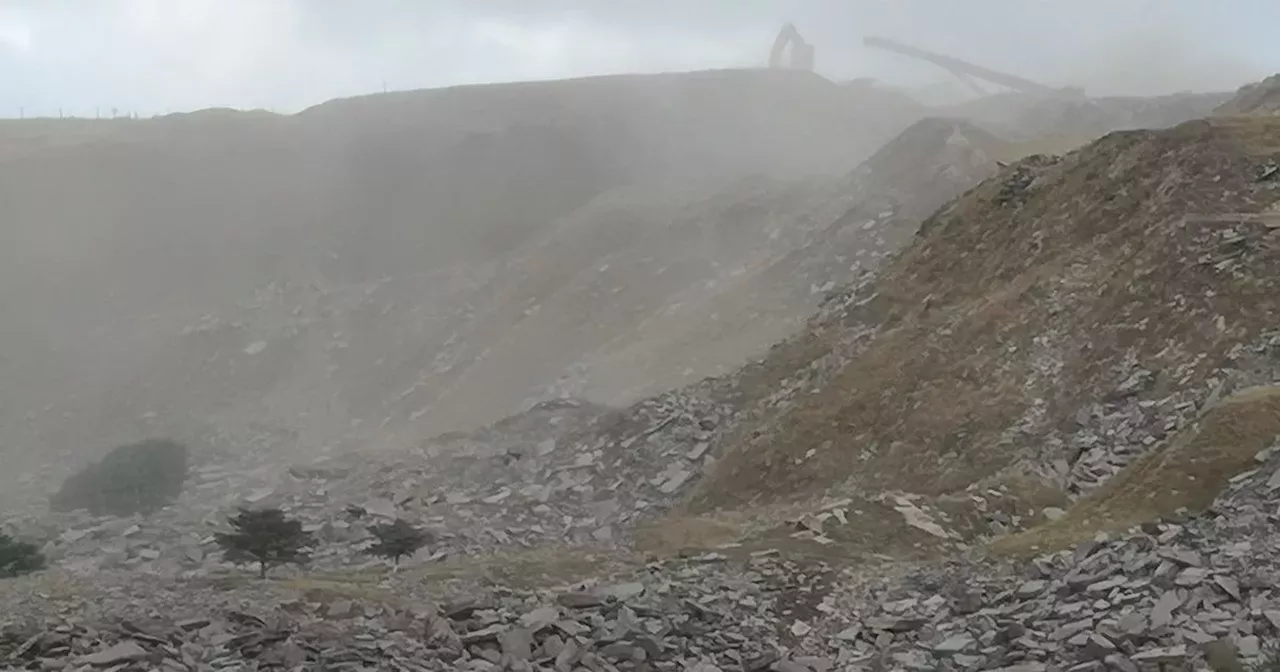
(266, 537)
(397, 539)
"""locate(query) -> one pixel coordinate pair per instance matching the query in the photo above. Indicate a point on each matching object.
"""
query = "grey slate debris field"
(1158, 595)
(902, 481)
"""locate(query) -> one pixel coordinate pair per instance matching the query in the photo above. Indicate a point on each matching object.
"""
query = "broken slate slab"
(1098, 647)
(461, 611)
(849, 634)
(672, 484)
(1133, 624)
(540, 618)
(1162, 611)
(579, 600)
(483, 634)
(623, 591)
(1183, 557)
(1169, 654)
(517, 643)
(1069, 630)
(1228, 585)
(955, 644)
(1249, 646)
(124, 652)
(619, 651)
(891, 624)
(1191, 576)
(1031, 589)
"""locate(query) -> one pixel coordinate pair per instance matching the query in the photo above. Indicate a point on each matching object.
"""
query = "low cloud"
(15, 32)
(153, 56)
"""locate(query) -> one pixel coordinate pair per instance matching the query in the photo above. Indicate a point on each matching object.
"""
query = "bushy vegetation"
(18, 557)
(397, 539)
(267, 537)
(134, 478)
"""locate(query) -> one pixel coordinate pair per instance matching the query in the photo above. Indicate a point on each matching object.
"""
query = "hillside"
(1077, 121)
(850, 225)
(374, 271)
(1054, 322)
(1258, 98)
(395, 265)
(906, 399)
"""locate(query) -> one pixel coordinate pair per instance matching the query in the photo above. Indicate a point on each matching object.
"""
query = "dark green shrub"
(397, 539)
(18, 557)
(266, 537)
(134, 478)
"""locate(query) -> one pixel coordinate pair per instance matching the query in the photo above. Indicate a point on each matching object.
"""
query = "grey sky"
(167, 55)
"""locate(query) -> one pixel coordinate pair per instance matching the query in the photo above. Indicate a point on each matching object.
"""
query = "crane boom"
(962, 68)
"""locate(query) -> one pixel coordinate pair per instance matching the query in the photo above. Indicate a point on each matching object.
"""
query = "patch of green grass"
(1186, 472)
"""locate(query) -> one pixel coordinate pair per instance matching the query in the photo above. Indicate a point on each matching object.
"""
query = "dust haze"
(405, 260)
(420, 336)
(488, 207)
(521, 277)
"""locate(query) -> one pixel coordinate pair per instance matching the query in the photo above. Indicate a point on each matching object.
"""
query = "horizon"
(189, 55)
(122, 114)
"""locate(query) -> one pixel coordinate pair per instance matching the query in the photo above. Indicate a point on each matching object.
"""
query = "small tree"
(397, 539)
(18, 557)
(266, 537)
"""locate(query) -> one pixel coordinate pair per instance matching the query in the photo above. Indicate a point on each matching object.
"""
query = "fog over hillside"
(373, 261)
(778, 335)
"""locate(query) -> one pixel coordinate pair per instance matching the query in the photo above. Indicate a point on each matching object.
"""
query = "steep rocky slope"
(1055, 321)
(1258, 98)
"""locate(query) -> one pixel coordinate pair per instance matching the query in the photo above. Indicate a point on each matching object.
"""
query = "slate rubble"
(565, 471)
(474, 496)
(1158, 595)
(586, 483)
(702, 611)
(1121, 427)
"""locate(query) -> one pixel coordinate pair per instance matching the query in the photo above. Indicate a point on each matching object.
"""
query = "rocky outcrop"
(1026, 317)
(1259, 98)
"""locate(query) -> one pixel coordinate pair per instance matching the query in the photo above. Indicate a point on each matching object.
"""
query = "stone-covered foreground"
(1152, 599)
